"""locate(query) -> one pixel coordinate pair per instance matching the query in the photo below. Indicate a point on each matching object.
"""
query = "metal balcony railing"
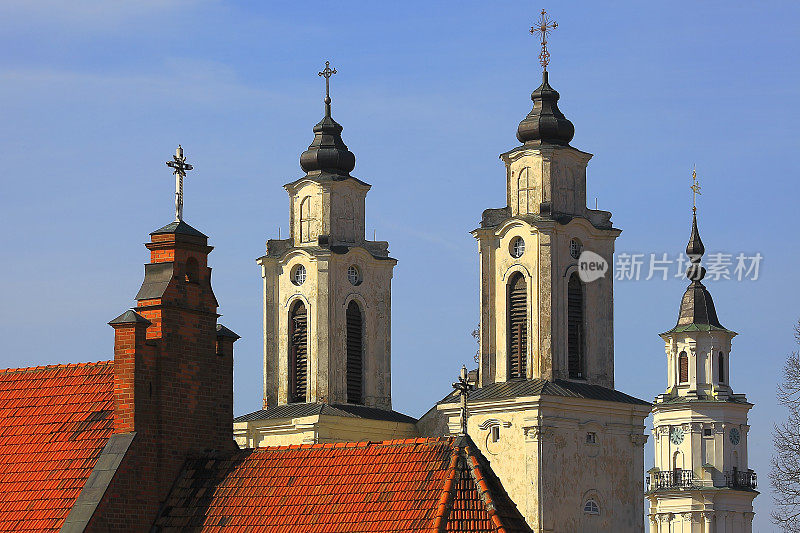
(741, 479)
(672, 479)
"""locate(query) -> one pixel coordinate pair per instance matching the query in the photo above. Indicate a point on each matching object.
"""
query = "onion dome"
(697, 306)
(545, 124)
(327, 153)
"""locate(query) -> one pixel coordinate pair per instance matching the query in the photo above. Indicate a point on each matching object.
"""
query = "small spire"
(462, 387)
(697, 307)
(180, 167)
(695, 248)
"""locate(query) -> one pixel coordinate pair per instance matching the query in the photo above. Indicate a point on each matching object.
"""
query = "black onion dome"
(545, 124)
(327, 153)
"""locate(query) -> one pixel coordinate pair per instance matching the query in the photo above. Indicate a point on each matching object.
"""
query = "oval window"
(517, 247)
(299, 275)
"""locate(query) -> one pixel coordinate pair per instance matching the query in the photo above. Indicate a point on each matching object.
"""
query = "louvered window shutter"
(298, 353)
(517, 327)
(683, 368)
(575, 338)
(355, 358)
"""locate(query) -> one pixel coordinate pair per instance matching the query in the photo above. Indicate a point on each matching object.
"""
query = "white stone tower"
(568, 448)
(327, 311)
(700, 482)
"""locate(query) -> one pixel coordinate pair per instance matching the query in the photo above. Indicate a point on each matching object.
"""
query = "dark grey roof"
(130, 317)
(377, 249)
(222, 331)
(179, 227)
(542, 387)
(297, 410)
(156, 279)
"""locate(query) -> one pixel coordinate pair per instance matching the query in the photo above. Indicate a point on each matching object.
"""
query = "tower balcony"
(672, 479)
(684, 479)
(741, 479)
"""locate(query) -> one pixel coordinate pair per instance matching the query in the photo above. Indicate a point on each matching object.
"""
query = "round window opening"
(517, 247)
(575, 248)
(354, 275)
(299, 275)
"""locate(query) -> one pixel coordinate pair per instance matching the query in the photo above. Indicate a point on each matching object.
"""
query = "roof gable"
(54, 421)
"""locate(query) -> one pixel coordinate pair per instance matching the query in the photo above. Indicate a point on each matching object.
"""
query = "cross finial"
(462, 387)
(543, 27)
(179, 168)
(695, 190)
(326, 73)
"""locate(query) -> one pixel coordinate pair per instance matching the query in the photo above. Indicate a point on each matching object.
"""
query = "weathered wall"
(548, 468)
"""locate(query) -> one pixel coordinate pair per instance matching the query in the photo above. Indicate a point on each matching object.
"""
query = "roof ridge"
(358, 444)
(43, 368)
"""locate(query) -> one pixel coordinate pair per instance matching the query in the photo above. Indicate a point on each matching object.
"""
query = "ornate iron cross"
(695, 190)
(543, 28)
(462, 387)
(179, 167)
(327, 73)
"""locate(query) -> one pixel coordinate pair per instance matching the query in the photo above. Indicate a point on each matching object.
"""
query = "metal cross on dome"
(326, 73)
(695, 190)
(179, 167)
(462, 387)
(543, 28)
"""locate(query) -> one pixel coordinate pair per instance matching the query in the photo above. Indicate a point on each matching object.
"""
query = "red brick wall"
(171, 388)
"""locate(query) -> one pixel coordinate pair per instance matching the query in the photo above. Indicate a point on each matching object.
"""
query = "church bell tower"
(539, 318)
(700, 482)
(568, 448)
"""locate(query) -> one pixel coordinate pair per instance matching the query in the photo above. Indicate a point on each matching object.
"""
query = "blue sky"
(96, 95)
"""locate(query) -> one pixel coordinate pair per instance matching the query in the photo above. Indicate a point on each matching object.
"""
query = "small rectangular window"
(707, 432)
(495, 433)
(591, 438)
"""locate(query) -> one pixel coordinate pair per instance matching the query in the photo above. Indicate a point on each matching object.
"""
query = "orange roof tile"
(401, 485)
(54, 422)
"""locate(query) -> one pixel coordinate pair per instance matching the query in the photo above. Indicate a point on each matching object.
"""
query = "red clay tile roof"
(54, 422)
(404, 485)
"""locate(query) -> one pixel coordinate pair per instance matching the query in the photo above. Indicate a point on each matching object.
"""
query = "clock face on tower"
(734, 436)
(676, 435)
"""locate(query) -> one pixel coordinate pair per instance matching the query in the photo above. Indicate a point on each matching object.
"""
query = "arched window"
(517, 326)
(355, 358)
(591, 507)
(305, 219)
(298, 352)
(192, 270)
(721, 364)
(525, 192)
(575, 339)
(683, 368)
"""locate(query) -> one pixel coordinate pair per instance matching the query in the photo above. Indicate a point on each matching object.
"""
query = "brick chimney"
(173, 379)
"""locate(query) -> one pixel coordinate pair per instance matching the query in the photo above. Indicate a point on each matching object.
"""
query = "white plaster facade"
(316, 429)
(700, 482)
